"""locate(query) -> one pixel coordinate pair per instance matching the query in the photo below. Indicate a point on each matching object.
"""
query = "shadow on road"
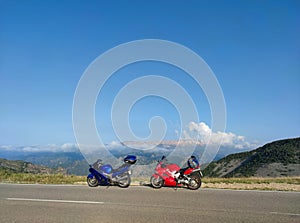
(147, 184)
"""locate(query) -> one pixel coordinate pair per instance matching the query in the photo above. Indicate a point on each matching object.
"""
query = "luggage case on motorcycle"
(130, 159)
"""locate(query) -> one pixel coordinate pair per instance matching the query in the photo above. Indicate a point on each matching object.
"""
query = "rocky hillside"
(279, 158)
(18, 166)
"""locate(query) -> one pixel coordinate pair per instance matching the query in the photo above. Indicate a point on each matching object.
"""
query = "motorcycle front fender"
(90, 176)
(155, 175)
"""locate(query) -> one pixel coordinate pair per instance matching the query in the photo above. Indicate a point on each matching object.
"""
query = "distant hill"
(18, 166)
(279, 158)
(71, 162)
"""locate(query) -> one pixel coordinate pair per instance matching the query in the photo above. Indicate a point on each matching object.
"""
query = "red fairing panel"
(188, 171)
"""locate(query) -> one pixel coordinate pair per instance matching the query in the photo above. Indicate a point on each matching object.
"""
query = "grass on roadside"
(254, 183)
(28, 178)
(281, 183)
(253, 180)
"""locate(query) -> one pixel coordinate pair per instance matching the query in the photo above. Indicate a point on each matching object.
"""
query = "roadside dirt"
(254, 186)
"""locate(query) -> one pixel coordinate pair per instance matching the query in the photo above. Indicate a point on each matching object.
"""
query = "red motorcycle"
(170, 174)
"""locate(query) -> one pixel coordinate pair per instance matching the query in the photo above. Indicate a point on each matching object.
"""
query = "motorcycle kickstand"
(175, 188)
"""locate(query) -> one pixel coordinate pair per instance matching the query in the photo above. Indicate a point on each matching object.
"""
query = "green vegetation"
(19, 166)
(28, 178)
(252, 183)
(17, 171)
(254, 180)
(284, 152)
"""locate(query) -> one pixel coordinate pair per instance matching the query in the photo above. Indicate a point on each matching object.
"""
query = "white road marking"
(283, 213)
(155, 206)
(55, 201)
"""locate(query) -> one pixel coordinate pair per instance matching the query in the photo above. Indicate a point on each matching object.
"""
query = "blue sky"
(253, 48)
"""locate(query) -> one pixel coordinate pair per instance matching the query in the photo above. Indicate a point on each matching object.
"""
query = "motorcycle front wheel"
(156, 182)
(194, 182)
(125, 181)
(92, 182)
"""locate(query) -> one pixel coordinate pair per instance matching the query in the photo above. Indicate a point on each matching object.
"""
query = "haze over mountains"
(69, 157)
(279, 158)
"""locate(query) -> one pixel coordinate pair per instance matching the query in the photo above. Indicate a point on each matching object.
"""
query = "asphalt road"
(50, 203)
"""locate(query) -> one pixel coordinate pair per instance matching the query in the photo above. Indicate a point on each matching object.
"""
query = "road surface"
(55, 203)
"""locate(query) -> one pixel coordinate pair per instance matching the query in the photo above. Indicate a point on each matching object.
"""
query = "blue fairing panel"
(90, 176)
(106, 168)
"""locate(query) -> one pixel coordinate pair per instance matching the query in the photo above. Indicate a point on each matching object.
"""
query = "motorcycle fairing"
(101, 178)
(122, 169)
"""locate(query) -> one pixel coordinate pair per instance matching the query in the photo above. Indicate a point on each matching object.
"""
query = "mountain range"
(276, 159)
(73, 162)
(279, 158)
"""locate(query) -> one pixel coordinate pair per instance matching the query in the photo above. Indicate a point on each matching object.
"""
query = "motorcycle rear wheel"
(194, 182)
(92, 182)
(156, 182)
(124, 182)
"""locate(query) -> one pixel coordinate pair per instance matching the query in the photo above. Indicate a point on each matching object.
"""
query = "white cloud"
(67, 147)
(204, 134)
(114, 144)
(6, 148)
(195, 132)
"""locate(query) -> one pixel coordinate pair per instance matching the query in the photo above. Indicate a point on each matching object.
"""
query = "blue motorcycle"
(105, 175)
